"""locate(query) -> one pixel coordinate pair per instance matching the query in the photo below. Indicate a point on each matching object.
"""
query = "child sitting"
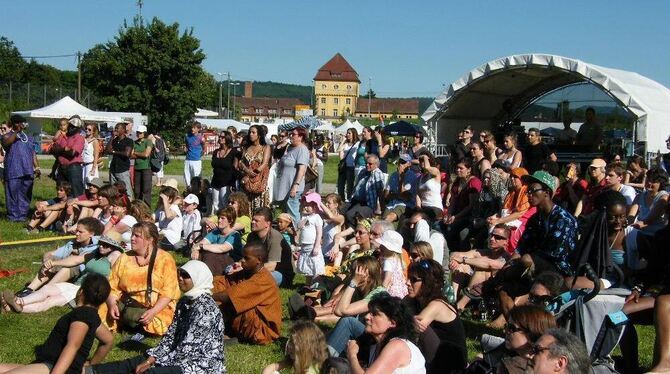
(393, 269)
(310, 230)
(190, 223)
(69, 343)
(82, 206)
(286, 228)
(306, 350)
(50, 211)
(249, 298)
(168, 218)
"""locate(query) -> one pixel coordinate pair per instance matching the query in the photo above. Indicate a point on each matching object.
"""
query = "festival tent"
(223, 124)
(66, 108)
(477, 97)
(326, 126)
(203, 113)
(403, 128)
(349, 125)
(358, 126)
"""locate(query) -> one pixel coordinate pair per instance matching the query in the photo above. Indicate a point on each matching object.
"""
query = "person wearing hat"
(69, 150)
(191, 218)
(53, 294)
(120, 148)
(401, 189)
(596, 186)
(141, 154)
(21, 167)
(393, 268)
(310, 234)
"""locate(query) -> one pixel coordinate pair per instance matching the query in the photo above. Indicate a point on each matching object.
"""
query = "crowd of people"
(409, 247)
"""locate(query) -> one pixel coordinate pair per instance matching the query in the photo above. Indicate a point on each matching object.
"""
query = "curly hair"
(432, 276)
(395, 310)
(242, 201)
(657, 175)
(141, 211)
(308, 344)
(608, 199)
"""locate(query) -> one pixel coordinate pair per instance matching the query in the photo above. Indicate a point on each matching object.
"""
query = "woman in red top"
(463, 194)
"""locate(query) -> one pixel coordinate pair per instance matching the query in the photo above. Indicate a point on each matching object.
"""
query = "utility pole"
(369, 94)
(228, 104)
(220, 93)
(78, 98)
(139, 7)
(28, 94)
(45, 95)
(234, 96)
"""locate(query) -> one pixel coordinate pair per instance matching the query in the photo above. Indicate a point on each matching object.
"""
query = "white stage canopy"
(477, 97)
(66, 108)
(223, 124)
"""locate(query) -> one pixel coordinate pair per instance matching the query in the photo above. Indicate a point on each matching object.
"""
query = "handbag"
(131, 310)
(258, 183)
(342, 165)
(311, 174)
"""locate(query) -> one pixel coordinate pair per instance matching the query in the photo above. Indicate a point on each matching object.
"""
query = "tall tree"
(152, 69)
(11, 62)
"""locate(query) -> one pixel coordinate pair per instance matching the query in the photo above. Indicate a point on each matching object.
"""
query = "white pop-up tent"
(203, 113)
(349, 125)
(223, 124)
(477, 97)
(67, 107)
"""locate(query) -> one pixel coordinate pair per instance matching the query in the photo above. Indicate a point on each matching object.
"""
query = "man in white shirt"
(421, 230)
(614, 175)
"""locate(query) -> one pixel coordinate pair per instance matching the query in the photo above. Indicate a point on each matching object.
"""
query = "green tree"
(11, 62)
(151, 68)
(370, 94)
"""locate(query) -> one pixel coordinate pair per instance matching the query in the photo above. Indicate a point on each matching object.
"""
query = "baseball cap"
(598, 163)
(141, 128)
(96, 182)
(541, 177)
(312, 197)
(191, 199)
(391, 240)
(76, 121)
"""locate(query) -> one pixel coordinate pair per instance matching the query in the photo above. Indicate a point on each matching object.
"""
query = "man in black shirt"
(278, 250)
(120, 148)
(536, 152)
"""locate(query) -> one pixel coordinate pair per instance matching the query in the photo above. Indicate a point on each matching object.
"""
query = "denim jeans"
(123, 178)
(347, 328)
(292, 206)
(73, 174)
(278, 277)
(128, 366)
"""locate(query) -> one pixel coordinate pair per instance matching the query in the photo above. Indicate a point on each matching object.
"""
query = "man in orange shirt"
(250, 299)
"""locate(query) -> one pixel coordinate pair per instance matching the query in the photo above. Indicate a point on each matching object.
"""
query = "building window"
(323, 112)
(287, 111)
(323, 100)
(336, 87)
(245, 110)
(348, 87)
(272, 111)
(347, 101)
(259, 110)
(334, 112)
(323, 86)
(336, 100)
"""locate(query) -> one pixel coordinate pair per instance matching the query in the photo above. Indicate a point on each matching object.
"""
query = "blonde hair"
(309, 346)
(424, 249)
(242, 201)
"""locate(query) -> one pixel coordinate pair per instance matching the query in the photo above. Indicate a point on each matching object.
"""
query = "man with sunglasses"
(558, 351)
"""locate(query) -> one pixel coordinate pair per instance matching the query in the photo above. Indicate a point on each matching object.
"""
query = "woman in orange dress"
(129, 279)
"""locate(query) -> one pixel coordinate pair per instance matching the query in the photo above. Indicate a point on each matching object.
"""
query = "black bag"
(342, 165)
(131, 310)
(158, 155)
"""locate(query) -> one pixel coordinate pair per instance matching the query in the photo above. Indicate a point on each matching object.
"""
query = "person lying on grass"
(249, 298)
(194, 341)
(59, 294)
(67, 348)
(57, 266)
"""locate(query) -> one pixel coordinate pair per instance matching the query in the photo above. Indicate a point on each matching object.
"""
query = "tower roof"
(337, 69)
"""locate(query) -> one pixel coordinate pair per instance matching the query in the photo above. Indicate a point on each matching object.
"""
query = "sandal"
(11, 300)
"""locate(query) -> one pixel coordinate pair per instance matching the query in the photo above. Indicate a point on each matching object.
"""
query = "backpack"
(158, 156)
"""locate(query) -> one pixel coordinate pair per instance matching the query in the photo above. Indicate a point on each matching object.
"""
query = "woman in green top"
(141, 154)
(58, 294)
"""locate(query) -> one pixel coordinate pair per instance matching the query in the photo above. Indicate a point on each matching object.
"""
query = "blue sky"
(407, 48)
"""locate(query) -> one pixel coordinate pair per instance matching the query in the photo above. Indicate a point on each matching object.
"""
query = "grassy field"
(19, 334)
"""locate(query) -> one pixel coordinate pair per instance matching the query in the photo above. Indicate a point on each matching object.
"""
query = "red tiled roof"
(268, 102)
(337, 69)
(409, 106)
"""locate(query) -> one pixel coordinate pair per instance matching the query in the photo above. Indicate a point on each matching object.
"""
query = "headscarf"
(201, 276)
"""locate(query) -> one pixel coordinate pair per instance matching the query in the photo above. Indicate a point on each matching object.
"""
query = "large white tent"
(204, 113)
(67, 107)
(223, 124)
(349, 125)
(477, 97)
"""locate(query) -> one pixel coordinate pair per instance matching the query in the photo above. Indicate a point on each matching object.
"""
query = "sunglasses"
(361, 232)
(415, 279)
(498, 237)
(512, 328)
(183, 274)
(414, 255)
(536, 349)
(530, 192)
(424, 264)
(539, 300)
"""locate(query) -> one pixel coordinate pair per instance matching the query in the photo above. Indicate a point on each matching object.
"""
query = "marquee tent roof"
(67, 107)
(205, 113)
(223, 124)
(479, 95)
(349, 125)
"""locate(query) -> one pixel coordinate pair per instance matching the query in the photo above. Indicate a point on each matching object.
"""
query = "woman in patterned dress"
(256, 160)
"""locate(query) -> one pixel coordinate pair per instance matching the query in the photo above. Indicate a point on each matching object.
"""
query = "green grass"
(19, 334)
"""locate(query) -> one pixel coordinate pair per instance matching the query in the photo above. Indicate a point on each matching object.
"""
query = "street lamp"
(234, 95)
(220, 93)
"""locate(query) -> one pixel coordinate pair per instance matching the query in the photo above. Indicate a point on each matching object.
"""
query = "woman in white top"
(121, 221)
(428, 197)
(512, 156)
(91, 153)
(391, 325)
(168, 218)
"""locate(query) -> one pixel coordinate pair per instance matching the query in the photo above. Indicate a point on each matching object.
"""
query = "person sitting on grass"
(250, 299)
(242, 224)
(194, 341)
(306, 350)
(67, 348)
(50, 211)
(168, 218)
(85, 242)
(222, 246)
(82, 206)
(121, 221)
(103, 212)
(59, 294)
(191, 224)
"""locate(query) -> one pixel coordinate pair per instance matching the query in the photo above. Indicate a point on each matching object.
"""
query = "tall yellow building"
(336, 86)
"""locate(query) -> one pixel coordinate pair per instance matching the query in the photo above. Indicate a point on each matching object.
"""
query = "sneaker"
(137, 337)
(25, 291)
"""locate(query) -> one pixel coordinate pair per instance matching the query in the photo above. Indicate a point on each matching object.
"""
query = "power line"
(52, 56)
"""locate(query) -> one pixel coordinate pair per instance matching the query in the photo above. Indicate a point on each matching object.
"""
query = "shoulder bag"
(131, 310)
(342, 165)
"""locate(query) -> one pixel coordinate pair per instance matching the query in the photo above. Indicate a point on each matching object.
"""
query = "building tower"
(336, 86)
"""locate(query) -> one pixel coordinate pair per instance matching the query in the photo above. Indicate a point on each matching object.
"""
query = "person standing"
(255, 165)
(69, 151)
(20, 169)
(141, 153)
(568, 135)
(536, 152)
(120, 148)
(291, 174)
(590, 134)
(347, 165)
(195, 143)
(224, 165)
(91, 154)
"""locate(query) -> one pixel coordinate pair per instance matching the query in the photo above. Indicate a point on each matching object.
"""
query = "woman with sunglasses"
(526, 323)
(442, 335)
(648, 209)
(91, 155)
(194, 341)
(491, 150)
(417, 148)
